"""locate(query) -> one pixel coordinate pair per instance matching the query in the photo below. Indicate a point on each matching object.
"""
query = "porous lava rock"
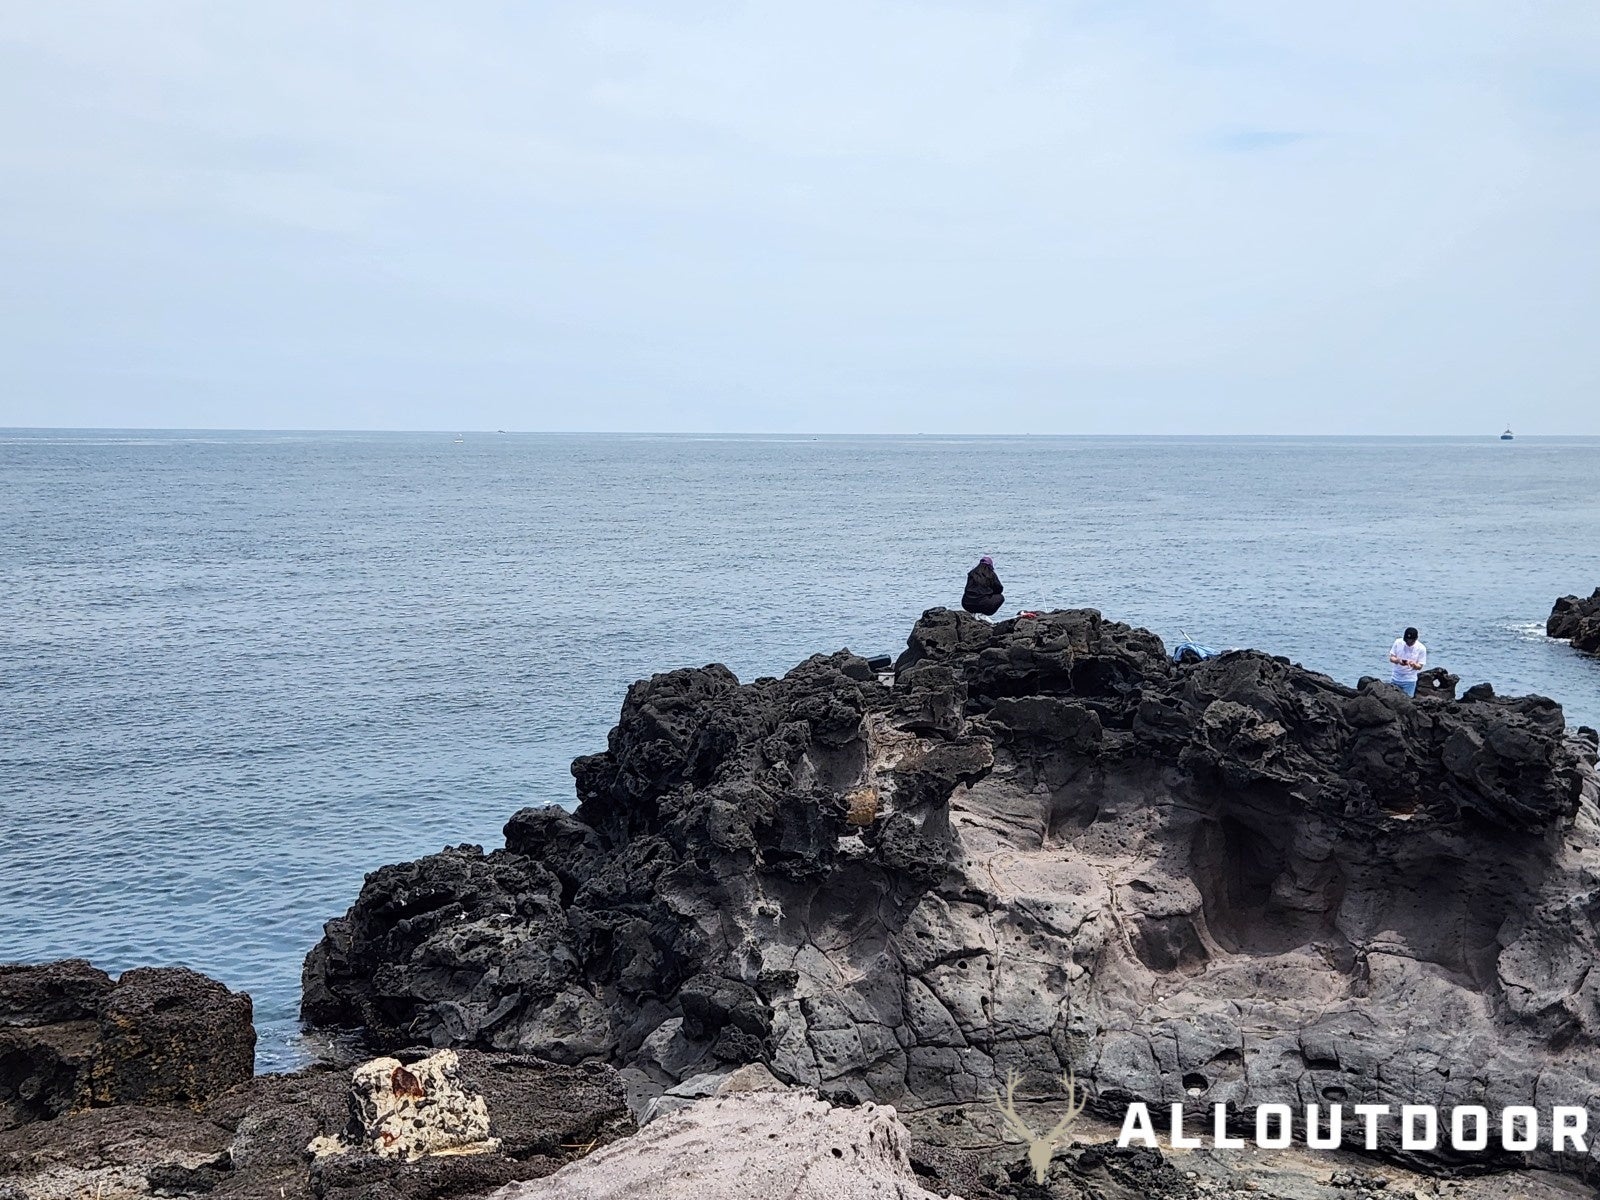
(72, 1038)
(1233, 881)
(251, 1143)
(1577, 620)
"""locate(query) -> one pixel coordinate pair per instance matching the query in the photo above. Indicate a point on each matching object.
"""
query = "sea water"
(238, 671)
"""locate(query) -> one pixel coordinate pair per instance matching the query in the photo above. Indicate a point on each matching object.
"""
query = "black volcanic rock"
(72, 1039)
(1577, 619)
(1438, 682)
(1044, 845)
(52, 993)
(250, 1143)
(463, 949)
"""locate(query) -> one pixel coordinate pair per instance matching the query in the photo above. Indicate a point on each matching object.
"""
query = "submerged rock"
(1044, 846)
(1577, 619)
(71, 1038)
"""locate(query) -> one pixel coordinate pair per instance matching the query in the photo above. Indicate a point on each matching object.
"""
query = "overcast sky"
(1239, 216)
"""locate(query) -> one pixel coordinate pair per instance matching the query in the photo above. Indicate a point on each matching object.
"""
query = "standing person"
(983, 593)
(1409, 656)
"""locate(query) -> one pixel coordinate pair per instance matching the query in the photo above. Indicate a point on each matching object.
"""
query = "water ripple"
(239, 671)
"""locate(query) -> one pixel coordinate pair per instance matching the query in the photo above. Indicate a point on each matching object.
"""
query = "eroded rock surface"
(71, 1038)
(786, 1144)
(1577, 619)
(1043, 846)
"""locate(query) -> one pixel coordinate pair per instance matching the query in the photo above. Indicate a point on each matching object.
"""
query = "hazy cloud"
(1260, 139)
(1230, 216)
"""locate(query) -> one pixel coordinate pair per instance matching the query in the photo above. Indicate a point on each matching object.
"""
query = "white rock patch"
(411, 1112)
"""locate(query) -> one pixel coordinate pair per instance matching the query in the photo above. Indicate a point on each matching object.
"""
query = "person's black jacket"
(983, 593)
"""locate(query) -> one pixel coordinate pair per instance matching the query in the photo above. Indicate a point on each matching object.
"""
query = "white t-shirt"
(1415, 654)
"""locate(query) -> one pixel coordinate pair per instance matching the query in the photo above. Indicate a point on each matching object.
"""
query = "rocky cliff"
(1039, 844)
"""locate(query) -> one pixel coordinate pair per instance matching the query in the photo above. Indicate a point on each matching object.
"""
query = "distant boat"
(459, 438)
(1506, 436)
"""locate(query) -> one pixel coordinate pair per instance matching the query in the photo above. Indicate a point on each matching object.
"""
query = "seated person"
(983, 593)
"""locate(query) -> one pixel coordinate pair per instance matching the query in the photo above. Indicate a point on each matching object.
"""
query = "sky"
(1213, 216)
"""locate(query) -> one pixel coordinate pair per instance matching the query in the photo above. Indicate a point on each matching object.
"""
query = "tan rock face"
(861, 806)
(411, 1112)
(733, 1147)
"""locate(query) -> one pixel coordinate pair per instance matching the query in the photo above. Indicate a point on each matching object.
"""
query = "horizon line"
(738, 433)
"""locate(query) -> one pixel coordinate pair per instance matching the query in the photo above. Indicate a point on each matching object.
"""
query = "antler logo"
(1042, 1146)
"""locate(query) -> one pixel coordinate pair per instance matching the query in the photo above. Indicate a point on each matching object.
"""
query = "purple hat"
(987, 561)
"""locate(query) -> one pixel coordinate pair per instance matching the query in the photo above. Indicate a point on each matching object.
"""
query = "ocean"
(240, 670)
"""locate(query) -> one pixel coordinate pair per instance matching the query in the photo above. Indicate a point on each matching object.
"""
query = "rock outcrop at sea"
(1039, 845)
(1577, 619)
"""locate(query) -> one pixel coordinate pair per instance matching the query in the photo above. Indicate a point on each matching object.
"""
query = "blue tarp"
(1202, 651)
